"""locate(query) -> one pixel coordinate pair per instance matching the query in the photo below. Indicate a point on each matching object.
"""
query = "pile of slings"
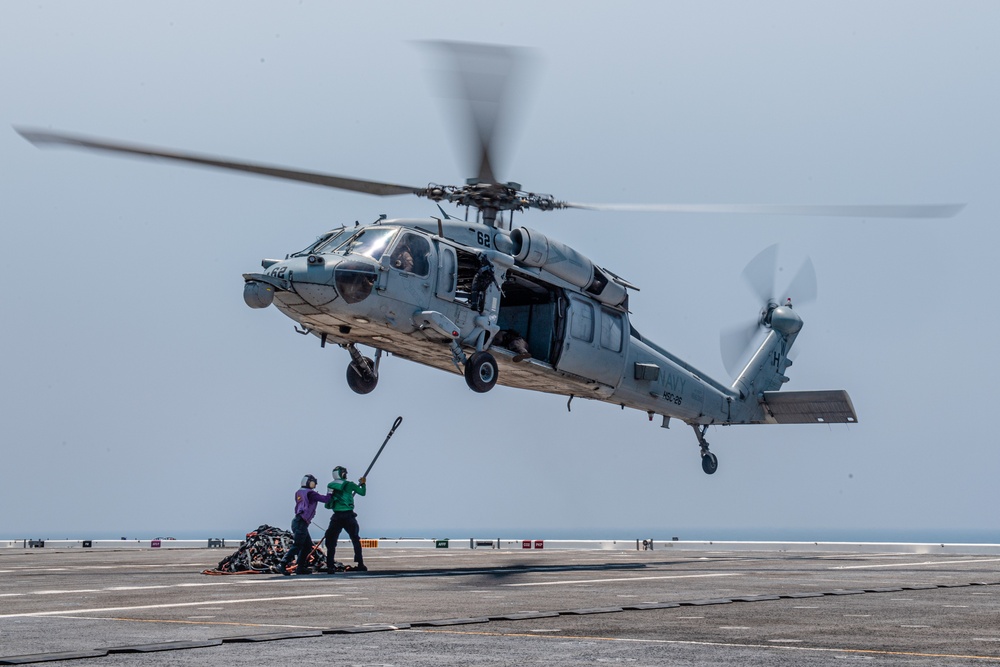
(262, 552)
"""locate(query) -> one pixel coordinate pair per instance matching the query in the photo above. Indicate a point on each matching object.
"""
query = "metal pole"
(395, 425)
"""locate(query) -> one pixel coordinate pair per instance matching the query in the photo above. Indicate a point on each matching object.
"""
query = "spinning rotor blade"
(42, 138)
(804, 287)
(734, 343)
(835, 210)
(483, 74)
(760, 274)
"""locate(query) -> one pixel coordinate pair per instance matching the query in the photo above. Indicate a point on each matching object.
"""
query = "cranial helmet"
(309, 482)
(340, 472)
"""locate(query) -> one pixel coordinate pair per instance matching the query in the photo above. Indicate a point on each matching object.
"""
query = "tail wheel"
(481, 372)
(362, 381)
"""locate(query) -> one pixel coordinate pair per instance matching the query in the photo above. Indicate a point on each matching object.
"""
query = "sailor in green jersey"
(341, 491)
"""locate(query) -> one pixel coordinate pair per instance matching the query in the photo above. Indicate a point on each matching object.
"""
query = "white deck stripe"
(929, 562)
(617, 579)
(200, 603)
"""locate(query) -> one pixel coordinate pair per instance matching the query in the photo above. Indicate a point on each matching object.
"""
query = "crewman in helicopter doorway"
(341, 491)
(305, 509)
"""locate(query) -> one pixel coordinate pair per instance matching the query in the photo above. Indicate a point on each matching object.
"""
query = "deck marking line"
(930, 562)
(618, 579)
(183, 622)
(775, 647)
(200, 603)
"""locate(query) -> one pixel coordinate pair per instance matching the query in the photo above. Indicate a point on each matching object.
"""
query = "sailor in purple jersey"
(305, 509)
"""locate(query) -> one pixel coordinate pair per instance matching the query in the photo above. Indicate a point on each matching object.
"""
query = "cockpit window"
(323, 243)
(370, 242)
(411, 254)
(330, 242)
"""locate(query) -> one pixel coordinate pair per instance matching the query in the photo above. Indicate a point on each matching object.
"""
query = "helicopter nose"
(318, 279)
(259, 290)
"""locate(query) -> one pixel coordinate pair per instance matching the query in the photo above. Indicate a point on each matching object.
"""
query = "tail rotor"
(760, 275)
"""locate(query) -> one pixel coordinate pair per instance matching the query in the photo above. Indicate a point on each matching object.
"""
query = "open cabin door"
(593, 343)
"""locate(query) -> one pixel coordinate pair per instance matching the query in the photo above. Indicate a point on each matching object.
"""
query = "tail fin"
(757, 385)
(766, 370)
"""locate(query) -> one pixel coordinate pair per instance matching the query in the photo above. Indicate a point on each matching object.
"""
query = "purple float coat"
(305, 503)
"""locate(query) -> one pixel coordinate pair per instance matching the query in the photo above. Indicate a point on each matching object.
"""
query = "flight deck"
(718, 604)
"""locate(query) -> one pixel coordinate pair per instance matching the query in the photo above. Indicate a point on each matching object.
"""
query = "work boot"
(360, 567)
(281, 568)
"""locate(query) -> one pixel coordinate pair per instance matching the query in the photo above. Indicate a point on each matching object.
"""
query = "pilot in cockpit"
(402, 258)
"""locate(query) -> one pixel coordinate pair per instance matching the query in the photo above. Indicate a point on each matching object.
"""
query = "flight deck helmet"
(309, 482)
(340, 472)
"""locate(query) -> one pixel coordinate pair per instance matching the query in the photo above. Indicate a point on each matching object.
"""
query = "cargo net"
(262, 552)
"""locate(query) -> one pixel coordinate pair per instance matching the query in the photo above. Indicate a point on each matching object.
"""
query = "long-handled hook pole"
(395, 425)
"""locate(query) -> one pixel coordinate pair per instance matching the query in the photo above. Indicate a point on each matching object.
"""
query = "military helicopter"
(508, 304)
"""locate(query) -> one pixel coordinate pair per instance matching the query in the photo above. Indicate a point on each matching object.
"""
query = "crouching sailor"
(342, 492)
(305, 509)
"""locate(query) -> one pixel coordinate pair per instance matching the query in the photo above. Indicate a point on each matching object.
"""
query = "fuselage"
(409, 287)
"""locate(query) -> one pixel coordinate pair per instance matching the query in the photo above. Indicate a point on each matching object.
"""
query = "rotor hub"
(490, 198)
(784, 320)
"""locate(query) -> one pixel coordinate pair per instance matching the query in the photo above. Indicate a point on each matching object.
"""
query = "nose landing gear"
(709, 462)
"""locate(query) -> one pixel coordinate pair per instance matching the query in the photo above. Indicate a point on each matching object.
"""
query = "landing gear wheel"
(481, 372)
(709, 463)
(358, 380)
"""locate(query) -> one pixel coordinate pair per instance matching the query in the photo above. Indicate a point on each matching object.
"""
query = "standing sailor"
(305, 509)
(341, 491)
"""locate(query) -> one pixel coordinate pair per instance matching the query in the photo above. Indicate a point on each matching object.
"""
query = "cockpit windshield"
(324, 243)
(370, 242)
(330, 242)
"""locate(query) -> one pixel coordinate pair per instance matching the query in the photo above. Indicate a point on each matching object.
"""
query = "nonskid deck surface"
(451, 607)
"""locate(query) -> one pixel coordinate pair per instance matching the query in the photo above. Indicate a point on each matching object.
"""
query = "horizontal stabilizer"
(808, 407)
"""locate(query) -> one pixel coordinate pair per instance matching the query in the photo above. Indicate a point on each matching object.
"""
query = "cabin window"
(611, 331)
(582, 325)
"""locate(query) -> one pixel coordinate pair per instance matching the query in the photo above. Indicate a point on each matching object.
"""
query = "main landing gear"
(709, 462)
(362, 372)
(481, 372)
(480, 368)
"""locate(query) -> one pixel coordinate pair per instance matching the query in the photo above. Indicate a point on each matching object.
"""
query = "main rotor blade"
(42, 138)
(483, 74)
(834, 210)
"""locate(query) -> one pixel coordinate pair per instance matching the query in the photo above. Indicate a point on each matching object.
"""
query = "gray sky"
(141, 396)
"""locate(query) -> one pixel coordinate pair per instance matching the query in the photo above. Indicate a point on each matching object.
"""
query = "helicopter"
(505, 304)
